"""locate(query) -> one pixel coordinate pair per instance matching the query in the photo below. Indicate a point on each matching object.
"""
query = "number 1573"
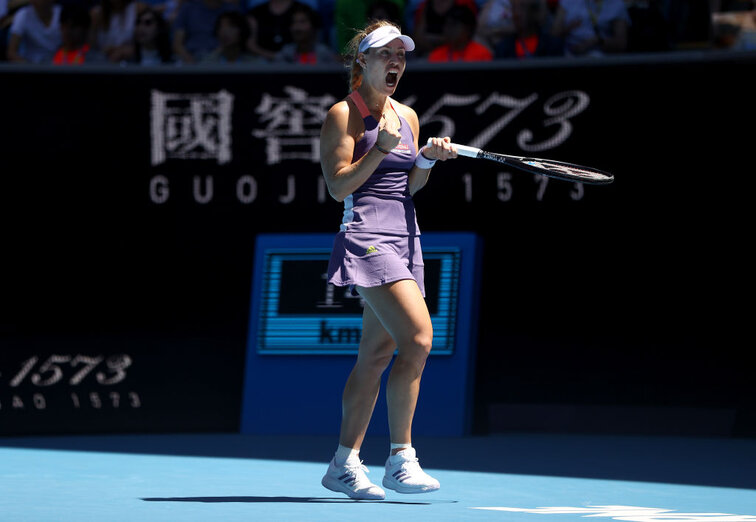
(75, 368)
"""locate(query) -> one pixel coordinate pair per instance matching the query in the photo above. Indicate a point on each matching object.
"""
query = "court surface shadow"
(294, 500)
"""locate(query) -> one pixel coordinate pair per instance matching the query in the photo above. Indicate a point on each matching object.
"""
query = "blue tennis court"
(518, 477)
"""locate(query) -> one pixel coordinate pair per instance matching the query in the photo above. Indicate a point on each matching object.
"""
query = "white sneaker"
(351, 479)
(404, 474)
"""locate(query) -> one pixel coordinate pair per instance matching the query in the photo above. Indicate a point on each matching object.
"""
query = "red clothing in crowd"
(75, 57)
(473, 52)
(527, 46)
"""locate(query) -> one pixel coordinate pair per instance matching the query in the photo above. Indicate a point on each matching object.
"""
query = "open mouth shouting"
(392, 77)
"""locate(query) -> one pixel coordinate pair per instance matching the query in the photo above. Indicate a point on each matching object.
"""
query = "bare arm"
(337, 141)
(12, 52)
(252, 44)
(179, 37)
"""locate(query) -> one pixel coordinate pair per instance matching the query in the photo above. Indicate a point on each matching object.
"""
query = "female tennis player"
(371, 162)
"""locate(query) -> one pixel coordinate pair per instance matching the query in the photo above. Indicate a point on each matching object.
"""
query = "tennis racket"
(553, 169)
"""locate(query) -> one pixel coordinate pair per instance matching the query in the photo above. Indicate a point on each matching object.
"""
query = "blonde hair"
(352, 50)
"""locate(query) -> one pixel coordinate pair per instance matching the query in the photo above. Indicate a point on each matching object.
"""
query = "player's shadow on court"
(294, 500)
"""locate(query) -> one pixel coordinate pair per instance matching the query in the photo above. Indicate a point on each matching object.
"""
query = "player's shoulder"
(339, 113)
(344, 116)
(344, 109)
(339, 109)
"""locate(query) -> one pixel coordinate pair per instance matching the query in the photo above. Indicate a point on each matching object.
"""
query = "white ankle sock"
(394, 446)
(343, 454)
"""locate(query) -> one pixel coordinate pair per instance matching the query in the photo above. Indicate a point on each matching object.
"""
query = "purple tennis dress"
(379, 241)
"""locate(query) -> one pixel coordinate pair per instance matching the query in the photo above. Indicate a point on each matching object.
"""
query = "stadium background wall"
(131, 201)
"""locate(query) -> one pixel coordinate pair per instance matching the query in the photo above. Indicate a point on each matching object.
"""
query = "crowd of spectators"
(183, 32)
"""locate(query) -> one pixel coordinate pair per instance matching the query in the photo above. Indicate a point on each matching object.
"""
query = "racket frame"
(522, 163)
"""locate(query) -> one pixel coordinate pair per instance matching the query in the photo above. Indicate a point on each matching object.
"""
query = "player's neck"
(376, 101)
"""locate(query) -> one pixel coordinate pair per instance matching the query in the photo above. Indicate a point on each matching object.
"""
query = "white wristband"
(423, 162)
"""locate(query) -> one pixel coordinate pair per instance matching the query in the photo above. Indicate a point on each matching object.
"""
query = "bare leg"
(345, 474)
(361, 390)
(402, 312)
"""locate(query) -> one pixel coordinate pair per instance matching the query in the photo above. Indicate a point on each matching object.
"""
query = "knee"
(422, 343)
(380, 362)
(377, 360)
(415, 352)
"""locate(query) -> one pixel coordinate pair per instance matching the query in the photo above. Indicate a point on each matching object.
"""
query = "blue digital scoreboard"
(299, 312)
(304, 334)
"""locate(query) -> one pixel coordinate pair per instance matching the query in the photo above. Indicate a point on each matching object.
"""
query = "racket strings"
(550, 167)
(577, 171)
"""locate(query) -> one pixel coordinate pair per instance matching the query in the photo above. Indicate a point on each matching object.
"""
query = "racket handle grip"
(463, 150)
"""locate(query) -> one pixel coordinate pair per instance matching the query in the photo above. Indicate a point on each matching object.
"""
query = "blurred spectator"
(8, 9)
(5, 21)
(305, 47)
(430, 19)
(649, 29)
(325, 9)
(113, 28)
(168, 9)
(74, 30)
(385, 10)
(691, 23)
(495, 22)
(724, 6)
(194, 28)
(35, 32)
(349, 15)
(459, 45)
(232, 33)
(152, 39)
(725, 35)
(316, 5)
(593, 27)
(735, 30)
(270, 23)
(746, 40)
(532, 36)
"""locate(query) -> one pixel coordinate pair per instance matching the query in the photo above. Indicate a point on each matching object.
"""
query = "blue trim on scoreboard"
(319, 333)
(291, 355)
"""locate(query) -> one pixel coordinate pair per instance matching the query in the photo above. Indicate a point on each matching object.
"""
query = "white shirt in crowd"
(39, 42)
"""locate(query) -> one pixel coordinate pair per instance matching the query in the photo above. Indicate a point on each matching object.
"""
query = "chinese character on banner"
(292, 125)
(191, 126)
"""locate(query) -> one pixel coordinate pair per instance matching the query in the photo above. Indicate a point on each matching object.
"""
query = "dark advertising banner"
(131, 202)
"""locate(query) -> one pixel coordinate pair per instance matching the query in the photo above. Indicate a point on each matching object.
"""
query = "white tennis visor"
(384, 35)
